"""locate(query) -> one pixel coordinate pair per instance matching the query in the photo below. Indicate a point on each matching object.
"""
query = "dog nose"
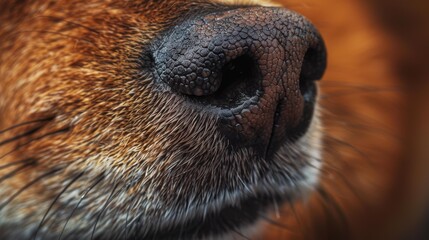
(254, 67)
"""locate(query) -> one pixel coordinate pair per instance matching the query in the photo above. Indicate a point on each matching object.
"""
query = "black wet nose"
(256, 66)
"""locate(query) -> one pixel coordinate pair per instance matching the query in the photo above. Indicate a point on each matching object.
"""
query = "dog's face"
(154, 119)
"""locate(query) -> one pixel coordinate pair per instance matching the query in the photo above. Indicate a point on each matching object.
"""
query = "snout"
(254, 68)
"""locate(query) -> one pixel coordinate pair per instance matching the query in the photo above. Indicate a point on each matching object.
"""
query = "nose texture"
(255, 66)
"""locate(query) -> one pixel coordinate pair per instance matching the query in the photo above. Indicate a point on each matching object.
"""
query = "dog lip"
(217, 223)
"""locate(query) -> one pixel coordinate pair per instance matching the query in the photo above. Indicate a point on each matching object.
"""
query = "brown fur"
(93, 123)
(51, 51)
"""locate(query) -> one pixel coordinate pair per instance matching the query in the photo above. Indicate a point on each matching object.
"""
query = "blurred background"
(375, 106)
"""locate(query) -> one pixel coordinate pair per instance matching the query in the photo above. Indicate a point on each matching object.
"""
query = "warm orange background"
(375, 98)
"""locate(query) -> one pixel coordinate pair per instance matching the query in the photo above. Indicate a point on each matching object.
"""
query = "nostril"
(240, 70)
(240, 80)
(312, 69)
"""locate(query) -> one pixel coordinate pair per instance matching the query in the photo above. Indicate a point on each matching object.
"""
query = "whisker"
(135, 219)
(303, 229)
(55, 200)
(15, 163)
(99, 179)
(357, 126)
(357, 115)
(276, 223)
(106, 204)
(276, 208)
(352, 147)
(19, 136)
(328, 169)
(127, 225)
(344, 180)
(330, 201)
(10, 199)
(19, 146)
(17, 170)
(26, 123)
(240, 234)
